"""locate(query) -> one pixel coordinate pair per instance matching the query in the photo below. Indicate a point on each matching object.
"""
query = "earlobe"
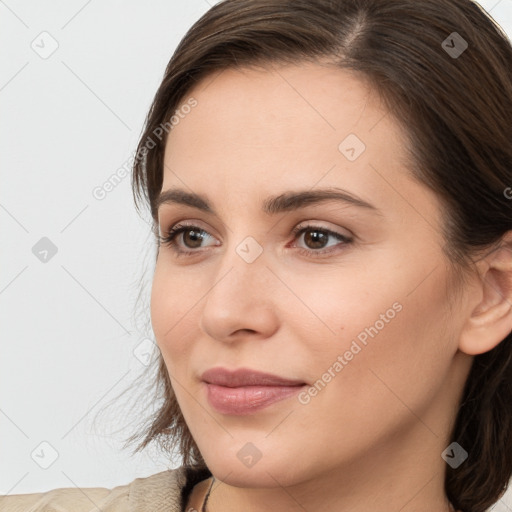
(490, 321)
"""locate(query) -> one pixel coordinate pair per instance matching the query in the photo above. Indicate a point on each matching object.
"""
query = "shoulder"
(159, 492)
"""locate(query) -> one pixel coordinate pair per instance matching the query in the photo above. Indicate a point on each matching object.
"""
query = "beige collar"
(197, 497)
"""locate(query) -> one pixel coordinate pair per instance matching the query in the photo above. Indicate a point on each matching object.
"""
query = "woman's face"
(361, 315)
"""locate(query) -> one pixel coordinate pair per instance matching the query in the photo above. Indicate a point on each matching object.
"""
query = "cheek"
(337, 306)
(395, 347)
(160, 305)
(392, 313)
(172, 314)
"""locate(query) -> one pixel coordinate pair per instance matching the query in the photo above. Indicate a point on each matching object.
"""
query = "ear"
(490, 320)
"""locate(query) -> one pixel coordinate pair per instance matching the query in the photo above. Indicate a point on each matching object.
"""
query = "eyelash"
(169, 239)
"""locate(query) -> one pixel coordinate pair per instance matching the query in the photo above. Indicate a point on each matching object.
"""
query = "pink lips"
(245, 391)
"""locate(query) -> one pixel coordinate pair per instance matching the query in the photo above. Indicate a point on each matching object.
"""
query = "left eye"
(317, 236)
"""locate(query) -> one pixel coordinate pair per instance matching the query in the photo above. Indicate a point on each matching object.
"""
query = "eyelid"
(321, 225)
(184, 220)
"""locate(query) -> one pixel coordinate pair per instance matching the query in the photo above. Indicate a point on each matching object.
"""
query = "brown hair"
(457, 112)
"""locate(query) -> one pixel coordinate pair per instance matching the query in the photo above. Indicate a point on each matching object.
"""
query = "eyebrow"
(287, 201)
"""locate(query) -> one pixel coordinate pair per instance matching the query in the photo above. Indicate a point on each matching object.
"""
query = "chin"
(277, 470)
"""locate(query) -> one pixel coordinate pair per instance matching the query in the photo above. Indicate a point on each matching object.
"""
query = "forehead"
(281, 126)
(287, 98)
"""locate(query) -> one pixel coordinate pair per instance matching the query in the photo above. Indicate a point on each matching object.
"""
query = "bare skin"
(372, 437)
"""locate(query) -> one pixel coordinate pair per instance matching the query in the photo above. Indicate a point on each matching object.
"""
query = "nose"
(241, 300)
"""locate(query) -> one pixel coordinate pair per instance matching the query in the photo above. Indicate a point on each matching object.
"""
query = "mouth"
(247, 399)
(245, 391)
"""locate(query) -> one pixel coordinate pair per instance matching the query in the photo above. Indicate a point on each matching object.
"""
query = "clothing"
(167, 491)
(174, 490)
(198, 497)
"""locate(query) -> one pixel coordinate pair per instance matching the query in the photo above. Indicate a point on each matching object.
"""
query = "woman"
(330, 185)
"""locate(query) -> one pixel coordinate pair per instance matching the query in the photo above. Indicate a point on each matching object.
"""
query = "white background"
(69, 326)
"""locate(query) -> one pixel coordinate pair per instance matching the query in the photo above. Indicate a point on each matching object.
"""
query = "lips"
(245, 377)
(244, 391)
